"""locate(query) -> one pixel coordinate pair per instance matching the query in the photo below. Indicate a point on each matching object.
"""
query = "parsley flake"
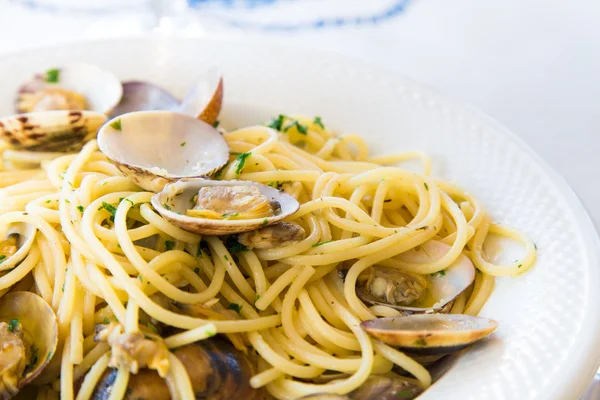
(197, 271)
(210, 332)
(317, 121)
(116, 124)
(302, 129)
(420, 342)
(235, 307)
(169, 244)
(241, 160)
(232, 244)
(106, 320)
(216, 124)
(53, 75)
(182, 144)
(13, 324)
(426, 186)
(2, 257)
(152, 327)
(321, 243)
(277, 123)
(110, 208)
(80, 208)
(404, 393)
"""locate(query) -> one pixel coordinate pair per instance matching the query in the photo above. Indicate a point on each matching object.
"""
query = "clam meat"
(222, 207)
(279, 234)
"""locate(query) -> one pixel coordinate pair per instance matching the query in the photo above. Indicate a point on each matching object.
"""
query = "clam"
(71, 87)
(389, 386)
(222, 207)
(416, 293)
(430, 333)
(144, 96)
(216, 369)
(203, 100)
(28, 339)
(280, 234)
(50, 130)
(15, 246)
(154, 148)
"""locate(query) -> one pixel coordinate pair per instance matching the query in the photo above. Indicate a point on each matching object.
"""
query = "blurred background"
(532, 65)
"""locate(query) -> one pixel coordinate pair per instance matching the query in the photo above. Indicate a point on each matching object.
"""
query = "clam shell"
(50, 130)
(39, 324)
(102, 89)
(173, 201)
(144, 96)
(430, 333)
(205, 98)
(26, 234)
(154, 148)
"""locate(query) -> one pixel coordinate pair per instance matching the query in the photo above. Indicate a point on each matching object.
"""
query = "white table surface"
(532, 64)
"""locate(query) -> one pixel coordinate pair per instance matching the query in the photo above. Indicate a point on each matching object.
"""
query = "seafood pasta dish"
(148, 253)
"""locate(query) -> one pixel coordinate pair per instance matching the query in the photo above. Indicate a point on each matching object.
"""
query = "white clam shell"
(26, 237)
(102, 89)
(50, 130)
(204, 99)
(173, 201)
(154, 148)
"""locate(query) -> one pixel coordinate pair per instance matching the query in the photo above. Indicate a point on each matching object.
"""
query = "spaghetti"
(102, 255)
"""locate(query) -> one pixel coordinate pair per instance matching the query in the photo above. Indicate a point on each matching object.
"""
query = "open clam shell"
(203, 100)
(101, 90)
(18, 237)
(50, 130)
(144, 96)
(176, 198)
(439, 288)
(29, 312)
(430, 333)
(154, 148)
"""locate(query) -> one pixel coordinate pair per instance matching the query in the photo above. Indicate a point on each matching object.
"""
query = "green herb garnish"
(235, 307)
(13, 324)
(116, 124)
(80, 208)
(241, 160)
(225, 216)
(302, 129)
(53, 75)
(420, 342)
(404, 393)
(265, 222)
(48, 201)
(106, 320)
(439, 273)
(216, 124)
(168, 207)
(197, 271)
(182, 144)
(317, 121)
(32, 361)
(225, 257)
(232, 244)
(169, 245)
(426, 186)
(210, 333)
(2, 258)
(520, 265)
(321, 243)
(277, 123)
(110, 208)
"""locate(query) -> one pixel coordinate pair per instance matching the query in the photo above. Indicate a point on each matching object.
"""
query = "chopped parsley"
(67, 201)
(116, 124)
(321, 243)
(241, 160)
(277, 123)
(404, 393)
(2, 257)
(317, 121)
(265, 222)
(439, 273)
(216, 124)
(232, 244)
(225, 257)
(197, 271)
(520, 265)
(225, 216)
(235, 307)
(234, 153)
(182, 144)
(169, 244)
(302, 129)
(80, 208)
(63, 287)
(168, 207)
(426, 186)
(106, 320)
(256, 299)
(535, 246)
(420, 342)
(132, 203)
(110, 208)
(152, 327)
(53, 75)
(13, 324)
(48, 201)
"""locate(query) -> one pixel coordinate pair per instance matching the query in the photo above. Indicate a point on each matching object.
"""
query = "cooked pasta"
(103, 256)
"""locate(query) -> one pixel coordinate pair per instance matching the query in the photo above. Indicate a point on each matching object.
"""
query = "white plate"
(548, 343)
